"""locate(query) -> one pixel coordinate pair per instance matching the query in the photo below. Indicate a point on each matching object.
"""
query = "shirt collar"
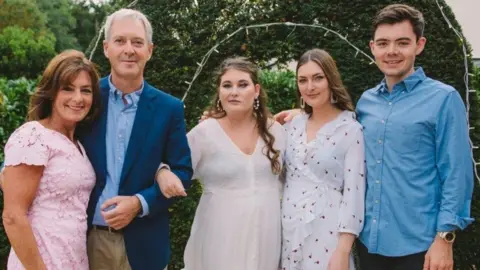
(408, 83)
(131, 98)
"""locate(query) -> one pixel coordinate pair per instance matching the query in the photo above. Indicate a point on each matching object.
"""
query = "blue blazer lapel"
(141, 126)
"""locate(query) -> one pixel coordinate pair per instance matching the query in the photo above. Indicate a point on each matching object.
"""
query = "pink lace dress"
(58, 213)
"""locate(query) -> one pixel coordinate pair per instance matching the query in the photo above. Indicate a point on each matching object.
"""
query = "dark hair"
(262, 114)
(60, 72)
(397, 13)
(335, 84)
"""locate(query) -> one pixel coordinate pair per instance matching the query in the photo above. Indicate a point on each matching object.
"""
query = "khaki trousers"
(106, 251)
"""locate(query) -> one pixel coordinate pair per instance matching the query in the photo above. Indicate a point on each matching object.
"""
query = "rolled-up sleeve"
(455, 165)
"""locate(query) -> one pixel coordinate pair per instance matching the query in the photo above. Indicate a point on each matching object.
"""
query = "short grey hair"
(125, 13)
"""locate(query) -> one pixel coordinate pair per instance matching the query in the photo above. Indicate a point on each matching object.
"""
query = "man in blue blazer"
(140, 128)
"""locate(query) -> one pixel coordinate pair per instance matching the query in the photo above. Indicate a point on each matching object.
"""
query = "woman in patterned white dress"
(48, 178)
(323, 201)
(237, 156)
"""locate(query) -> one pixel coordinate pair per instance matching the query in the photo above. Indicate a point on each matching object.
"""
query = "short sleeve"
(27, 146)
(195, 143)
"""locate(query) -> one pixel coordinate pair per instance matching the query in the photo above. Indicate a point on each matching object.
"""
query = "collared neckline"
(408, 83)
(131, 98)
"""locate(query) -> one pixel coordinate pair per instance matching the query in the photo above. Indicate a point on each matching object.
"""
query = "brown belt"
(107, 228)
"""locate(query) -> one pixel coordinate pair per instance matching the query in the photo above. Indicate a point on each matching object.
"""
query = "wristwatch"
(449, 237)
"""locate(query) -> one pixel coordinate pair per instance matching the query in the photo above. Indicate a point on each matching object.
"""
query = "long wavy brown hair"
(262, 114)
(335, 84)
(60, 72)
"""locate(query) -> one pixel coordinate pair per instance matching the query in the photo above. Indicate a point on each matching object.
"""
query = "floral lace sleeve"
(26, 146)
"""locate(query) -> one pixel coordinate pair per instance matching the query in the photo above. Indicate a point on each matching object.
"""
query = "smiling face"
(313, 85)
(237, 92)
(127, 48)
(74, 100)
(395, 47)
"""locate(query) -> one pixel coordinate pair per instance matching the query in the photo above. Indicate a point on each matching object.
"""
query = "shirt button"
(374, 221)
(390, 103)
(378, 181)
(378, 161)
(376, 201)
(380, 141)
(383, 121)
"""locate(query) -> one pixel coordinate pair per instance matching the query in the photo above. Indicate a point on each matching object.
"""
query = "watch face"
(449, 236)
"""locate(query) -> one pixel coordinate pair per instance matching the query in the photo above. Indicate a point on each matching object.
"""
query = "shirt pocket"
(405, 139)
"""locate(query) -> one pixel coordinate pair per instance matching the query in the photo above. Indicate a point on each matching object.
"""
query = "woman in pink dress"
(48, 177)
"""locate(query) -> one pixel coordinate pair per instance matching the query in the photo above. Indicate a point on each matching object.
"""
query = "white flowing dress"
(237, 224)
(324, 190)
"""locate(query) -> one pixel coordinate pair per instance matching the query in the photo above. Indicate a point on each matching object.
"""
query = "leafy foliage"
(14, 97)
(23, 52)
(89, 19)
(61, 21)
(280, 87)
(22, 13)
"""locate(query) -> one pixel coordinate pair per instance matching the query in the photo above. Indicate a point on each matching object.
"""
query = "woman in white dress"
(323, 201)
(237, 156)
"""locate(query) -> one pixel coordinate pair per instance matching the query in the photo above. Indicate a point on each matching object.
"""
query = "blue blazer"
(158, 135)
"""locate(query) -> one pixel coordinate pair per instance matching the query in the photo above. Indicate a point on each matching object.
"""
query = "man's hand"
(286, 116)
(439, 256)
(126, 208)
(170, 184)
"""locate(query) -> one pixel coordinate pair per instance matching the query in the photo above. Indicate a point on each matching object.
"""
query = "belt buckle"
(110, 229)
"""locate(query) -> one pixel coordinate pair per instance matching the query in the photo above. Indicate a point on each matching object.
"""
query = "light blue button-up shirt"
(121, 115)
(419, 164)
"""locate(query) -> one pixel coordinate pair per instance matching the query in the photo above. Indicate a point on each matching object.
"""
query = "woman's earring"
(219, 106)
(256, 104)
(333, 99)
(302, 103)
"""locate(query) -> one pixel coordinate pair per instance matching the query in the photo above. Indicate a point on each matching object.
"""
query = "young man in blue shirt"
(419, 161)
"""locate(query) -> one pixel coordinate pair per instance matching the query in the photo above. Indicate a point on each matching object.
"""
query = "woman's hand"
(286, 116)
(340, 260)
